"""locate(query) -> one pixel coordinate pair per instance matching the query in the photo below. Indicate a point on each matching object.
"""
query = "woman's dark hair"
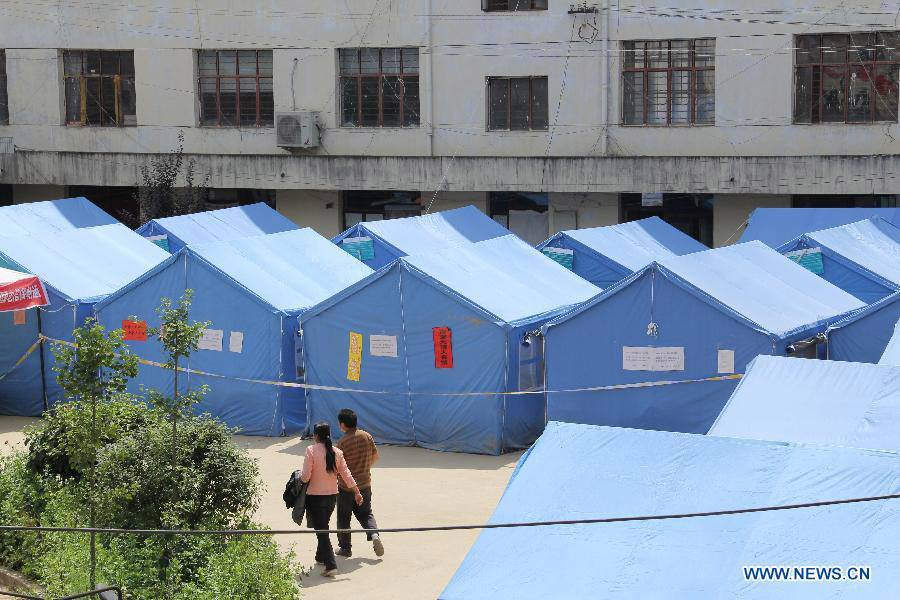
(323, 433)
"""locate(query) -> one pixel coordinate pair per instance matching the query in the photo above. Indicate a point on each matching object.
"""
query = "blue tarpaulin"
(815, 401)
(250, 290)
(79, 267)
(216, 226)
(891, 354)
(687, 318)
(861, 258)
(583, 472)
(606, 255)
(378, 243)
(447, 322)
(864, 335)
(777, 226)
(53, 215)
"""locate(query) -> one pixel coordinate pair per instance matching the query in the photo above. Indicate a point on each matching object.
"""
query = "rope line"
(604, 520)
(329, 388)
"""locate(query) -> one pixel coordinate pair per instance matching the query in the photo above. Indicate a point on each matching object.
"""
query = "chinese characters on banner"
(19, 291)
(134, 331)
(354, 361)
(443, 348)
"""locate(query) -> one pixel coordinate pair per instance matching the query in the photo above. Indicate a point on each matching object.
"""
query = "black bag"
(295, 497)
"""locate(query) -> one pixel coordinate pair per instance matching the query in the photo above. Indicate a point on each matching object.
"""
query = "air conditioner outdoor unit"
(296, 130)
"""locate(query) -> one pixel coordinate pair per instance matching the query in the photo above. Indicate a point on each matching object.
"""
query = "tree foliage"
(170, 187)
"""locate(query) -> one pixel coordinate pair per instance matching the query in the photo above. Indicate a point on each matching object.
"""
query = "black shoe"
(345, 552)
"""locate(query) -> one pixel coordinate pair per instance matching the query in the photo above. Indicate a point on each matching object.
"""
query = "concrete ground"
(411, 487)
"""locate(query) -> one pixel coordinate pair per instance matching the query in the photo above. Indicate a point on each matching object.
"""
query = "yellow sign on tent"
(354, 362)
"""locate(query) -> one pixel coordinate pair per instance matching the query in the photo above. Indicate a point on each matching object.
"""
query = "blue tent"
(250, 289)
(861, 258)
(863, 335)
(584, 472)
(777, 226)
(688, 318)
(817, 402)
(51, 216)
(174, 233)
(891, 354)
(79, 267)
(378, 243)
(606, 255)
(443, 335)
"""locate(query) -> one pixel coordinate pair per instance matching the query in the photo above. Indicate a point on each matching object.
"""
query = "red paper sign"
(19, 317)
(22, 293)
(443, 347)
(135, 331)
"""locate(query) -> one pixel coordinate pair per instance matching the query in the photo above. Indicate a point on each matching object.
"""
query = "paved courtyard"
(412, 487)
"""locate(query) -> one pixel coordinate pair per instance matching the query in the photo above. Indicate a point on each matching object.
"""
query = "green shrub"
(246, 567)
(21, 499)
(218, 484)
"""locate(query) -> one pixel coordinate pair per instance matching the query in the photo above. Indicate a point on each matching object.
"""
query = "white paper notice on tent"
(383, 345)
(236, 342)
(726, 361)
(643, 358)
(211, 339)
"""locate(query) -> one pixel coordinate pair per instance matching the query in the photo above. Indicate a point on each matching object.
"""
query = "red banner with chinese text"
(134, 331)
(19, 291)
(443, 347)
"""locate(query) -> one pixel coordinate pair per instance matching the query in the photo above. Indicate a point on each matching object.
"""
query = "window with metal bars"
(517, 103)
(100, 88)
(4, 98)
(512, 5)
(235, 88)
(669, 82)
(379, 87)
(846, 78)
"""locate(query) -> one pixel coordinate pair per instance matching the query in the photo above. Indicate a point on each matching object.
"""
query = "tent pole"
(41, 353)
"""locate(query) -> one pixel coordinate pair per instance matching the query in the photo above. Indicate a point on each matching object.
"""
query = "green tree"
(95, 369)
(179, 338)
(159, 193)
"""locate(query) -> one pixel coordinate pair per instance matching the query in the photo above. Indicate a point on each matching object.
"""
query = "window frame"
(236, 78)
(84, 78)
(4, 90)
(380, 76)
(669, 69)
(531, 6)
(847, 65)
(509, 79)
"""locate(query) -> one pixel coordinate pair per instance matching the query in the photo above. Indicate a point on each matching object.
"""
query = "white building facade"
(545, 115)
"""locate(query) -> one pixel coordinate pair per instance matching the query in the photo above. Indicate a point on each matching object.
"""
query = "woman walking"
(321, 466)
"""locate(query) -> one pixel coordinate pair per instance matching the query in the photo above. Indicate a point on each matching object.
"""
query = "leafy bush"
(21, 499)
(217, 482)
(246, 567)
(51, 442)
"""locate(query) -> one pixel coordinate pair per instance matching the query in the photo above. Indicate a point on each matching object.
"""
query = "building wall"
(318, 209)
(731, 212)
(37, 193)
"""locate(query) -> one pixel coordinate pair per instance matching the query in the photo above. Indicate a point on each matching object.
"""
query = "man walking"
(360, 453)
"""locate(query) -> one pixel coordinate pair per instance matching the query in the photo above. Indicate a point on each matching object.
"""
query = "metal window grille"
(379, 87)
(235, 88)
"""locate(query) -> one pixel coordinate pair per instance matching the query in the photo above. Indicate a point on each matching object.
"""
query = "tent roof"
(636, 244)
(776, 226)
(87, 263)
(891, 354)
(50, 216)
(225, 224)
(763, 286)
(415, 235)
(815, 401)
(584, 471)
(506, 277)
(873, 244)
(290, 271)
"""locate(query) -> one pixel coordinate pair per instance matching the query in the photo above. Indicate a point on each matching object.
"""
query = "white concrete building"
(546, 116)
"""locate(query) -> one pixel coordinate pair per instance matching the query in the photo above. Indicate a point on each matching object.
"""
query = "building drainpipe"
(429, 85)
(604, 145)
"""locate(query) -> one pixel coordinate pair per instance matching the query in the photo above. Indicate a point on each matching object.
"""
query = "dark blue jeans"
(318, 511)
